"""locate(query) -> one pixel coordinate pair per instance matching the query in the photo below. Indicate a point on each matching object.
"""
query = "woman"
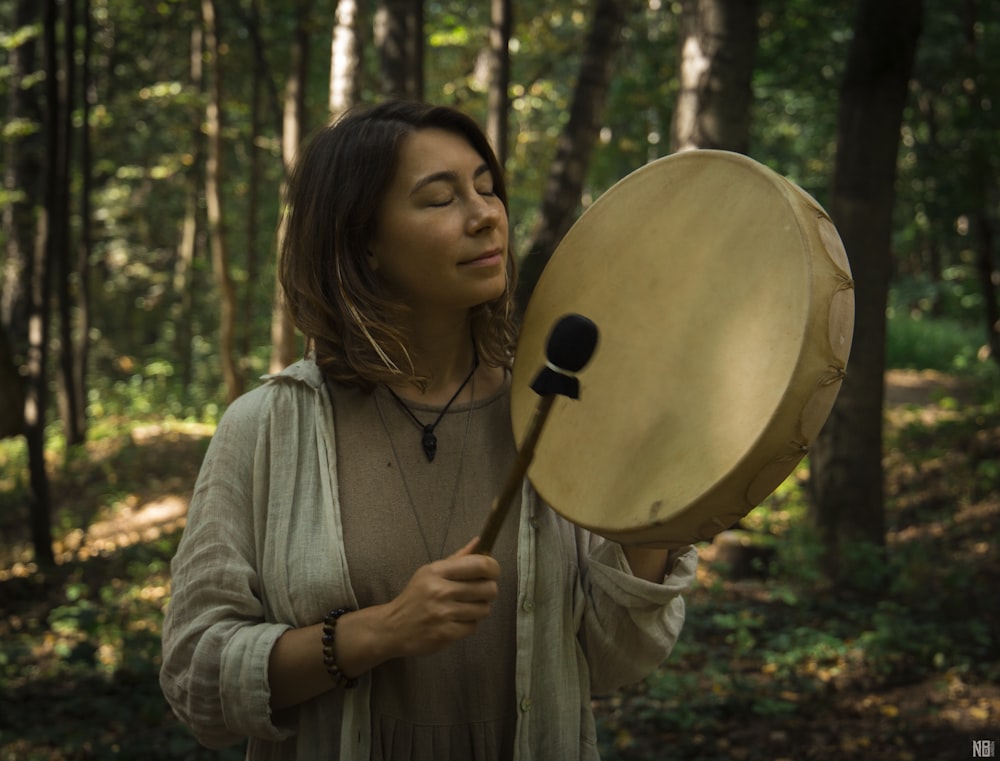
(328, 601)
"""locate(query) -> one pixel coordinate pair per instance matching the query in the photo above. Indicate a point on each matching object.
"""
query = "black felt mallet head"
(569, 348)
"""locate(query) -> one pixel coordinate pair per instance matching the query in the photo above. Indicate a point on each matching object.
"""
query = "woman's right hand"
(443, 602)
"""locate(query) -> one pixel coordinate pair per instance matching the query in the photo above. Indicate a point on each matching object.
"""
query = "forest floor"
(773, 663)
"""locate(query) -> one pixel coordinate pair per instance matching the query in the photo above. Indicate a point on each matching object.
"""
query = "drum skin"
(725, 305)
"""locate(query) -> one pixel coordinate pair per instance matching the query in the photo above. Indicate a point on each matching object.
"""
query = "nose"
(486, 213)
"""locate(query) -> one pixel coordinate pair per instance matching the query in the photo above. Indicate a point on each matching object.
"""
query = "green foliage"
(86, 645)
(79, 646)
(937, 324)
(784, 647)
(900, 644)
(802, 51)
(791, 664)
(955, 293)
(148, 147)
(639, 114)
(81, 642)
(948, 160)
(932, 344)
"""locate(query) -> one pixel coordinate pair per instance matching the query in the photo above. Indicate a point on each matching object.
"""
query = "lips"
(491, 257)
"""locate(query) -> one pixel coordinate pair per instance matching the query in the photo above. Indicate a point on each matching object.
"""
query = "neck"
(444, 354)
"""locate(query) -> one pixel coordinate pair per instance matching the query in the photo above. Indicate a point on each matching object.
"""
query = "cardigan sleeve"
(216, 644)
(628, 625)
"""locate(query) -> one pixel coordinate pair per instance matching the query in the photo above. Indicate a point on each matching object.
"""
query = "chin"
(496, 292)
(485, 297)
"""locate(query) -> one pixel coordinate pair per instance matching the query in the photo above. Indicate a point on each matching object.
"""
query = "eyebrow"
(446, 176)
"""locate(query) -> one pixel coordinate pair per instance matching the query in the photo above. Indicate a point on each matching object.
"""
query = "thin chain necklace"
(458, 476)
(429, 440)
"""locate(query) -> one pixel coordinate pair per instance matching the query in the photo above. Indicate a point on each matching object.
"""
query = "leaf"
(979, 713)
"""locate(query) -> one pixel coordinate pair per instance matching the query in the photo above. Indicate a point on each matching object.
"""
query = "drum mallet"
(569, 347)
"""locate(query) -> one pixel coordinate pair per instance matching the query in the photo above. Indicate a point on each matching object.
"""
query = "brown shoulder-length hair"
(332, 294)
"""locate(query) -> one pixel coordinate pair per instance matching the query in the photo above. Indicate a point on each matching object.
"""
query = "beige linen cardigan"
(262, 552)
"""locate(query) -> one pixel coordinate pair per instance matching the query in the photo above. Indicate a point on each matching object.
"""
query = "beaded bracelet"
(329, 650)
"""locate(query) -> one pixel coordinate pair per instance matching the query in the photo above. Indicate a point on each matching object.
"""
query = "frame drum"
(725, 305)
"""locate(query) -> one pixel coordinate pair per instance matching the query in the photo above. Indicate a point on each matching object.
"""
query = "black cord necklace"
(429, 440)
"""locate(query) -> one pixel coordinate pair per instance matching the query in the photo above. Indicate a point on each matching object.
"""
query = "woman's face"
(440, 241)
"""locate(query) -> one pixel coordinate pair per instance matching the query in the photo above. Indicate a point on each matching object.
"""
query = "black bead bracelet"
(330, 651)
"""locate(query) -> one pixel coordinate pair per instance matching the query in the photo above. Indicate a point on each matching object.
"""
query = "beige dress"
(399, 513)
(263, 553)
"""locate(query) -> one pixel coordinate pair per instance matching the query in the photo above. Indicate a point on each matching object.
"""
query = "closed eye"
(482, 172)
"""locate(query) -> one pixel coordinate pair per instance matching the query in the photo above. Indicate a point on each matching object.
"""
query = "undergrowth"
(777, 665)
(781, 664)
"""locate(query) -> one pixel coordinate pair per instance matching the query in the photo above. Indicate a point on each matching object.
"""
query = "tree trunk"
(846, 481)
(345, 59)
(183, 288)
(21, 180)
(213, 205)
(564, 186)
(59, 231)
(928, 260)
(187, 248)
(989, 279)
(399, 37)
(283, 342)
(984, 179)
(11, 392)
(250, 292)
(718, 47)
(81, 351)
(498, 98)
(36, 396)
(251, 21)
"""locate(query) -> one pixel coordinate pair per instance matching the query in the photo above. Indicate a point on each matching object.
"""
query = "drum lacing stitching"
(835, 374)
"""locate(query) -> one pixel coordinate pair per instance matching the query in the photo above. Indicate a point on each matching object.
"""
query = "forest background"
(854, 613)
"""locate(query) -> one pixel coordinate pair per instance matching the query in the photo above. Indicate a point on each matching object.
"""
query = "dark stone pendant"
(429, 443)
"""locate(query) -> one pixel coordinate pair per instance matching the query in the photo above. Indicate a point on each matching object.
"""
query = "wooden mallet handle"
(570, 346)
